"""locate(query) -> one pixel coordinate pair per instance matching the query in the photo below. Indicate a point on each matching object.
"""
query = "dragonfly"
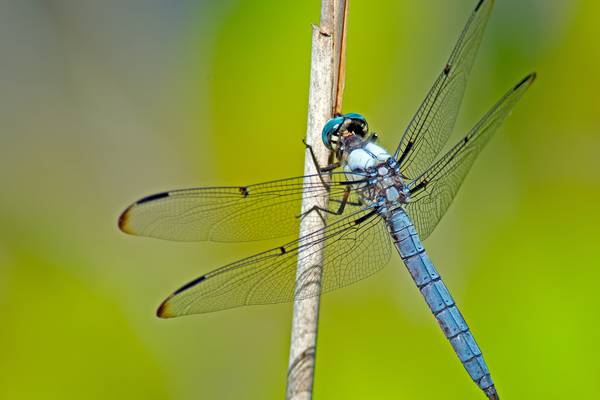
(376, 202)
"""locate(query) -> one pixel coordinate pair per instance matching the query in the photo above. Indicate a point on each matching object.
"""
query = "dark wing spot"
(153, 197)
(409, 146)
(244, 191)
(447, 69)
(162, 311)
(190, 284)
(123, 219)
(365, 217)
(422, 185)
(531, 77)
(283, 251)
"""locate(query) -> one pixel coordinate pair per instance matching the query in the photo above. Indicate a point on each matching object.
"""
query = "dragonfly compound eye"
(358, 124)
(331, 132)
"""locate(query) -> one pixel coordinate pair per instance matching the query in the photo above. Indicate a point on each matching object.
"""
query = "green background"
(102, 102)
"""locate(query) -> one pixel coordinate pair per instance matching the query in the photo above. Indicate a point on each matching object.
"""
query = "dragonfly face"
(343, 132)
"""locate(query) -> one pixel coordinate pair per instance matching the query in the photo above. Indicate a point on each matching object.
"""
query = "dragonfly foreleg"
(321, 170)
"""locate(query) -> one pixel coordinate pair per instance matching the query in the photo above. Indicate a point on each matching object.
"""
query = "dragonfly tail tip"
(491, 393)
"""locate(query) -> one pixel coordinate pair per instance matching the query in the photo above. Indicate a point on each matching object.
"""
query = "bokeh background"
(102, 102)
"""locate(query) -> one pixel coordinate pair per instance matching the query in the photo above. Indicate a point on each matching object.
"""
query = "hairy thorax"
(377, 176)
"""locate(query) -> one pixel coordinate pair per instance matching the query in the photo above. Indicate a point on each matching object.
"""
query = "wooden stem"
(327, 75)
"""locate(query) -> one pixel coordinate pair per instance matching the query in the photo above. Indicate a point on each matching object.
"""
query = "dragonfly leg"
(339, 211)
(321, 170)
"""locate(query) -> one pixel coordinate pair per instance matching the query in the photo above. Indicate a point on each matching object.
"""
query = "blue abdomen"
(439, 300)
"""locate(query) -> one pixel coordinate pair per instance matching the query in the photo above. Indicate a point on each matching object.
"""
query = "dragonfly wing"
(230, 214)
(355, 247)
(433, 122)
(433, 191)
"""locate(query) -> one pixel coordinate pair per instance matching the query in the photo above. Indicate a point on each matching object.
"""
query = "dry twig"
(325, 99)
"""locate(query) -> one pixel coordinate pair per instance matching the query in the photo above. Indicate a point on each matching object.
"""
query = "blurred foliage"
(104, 102)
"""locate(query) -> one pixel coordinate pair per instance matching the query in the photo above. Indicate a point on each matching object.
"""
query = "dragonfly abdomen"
(439, 300)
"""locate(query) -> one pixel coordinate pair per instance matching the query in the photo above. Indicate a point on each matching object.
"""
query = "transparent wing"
(231, 214)
(433, 122)
(433, 191)
(355, 247)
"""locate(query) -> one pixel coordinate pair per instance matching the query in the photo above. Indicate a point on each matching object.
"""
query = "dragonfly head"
(343, 128)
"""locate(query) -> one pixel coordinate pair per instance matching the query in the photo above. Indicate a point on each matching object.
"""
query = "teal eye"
(359, 124)
(356, 116)
(330, 130)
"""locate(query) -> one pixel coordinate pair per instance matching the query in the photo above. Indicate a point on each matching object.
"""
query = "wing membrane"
(433, 122)
(229, 214)
(355, 247)
(434, 190)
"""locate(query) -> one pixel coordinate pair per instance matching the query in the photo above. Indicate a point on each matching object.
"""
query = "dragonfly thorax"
(375, 171)
(377, 174)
